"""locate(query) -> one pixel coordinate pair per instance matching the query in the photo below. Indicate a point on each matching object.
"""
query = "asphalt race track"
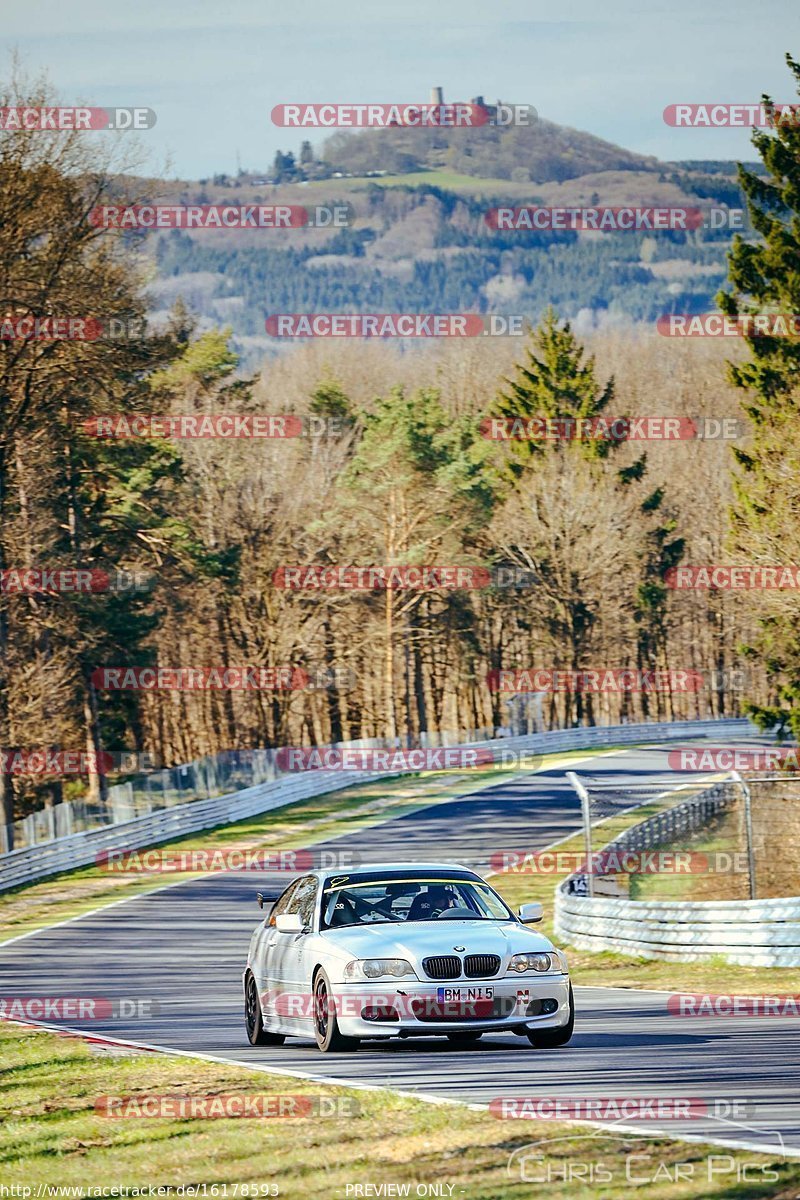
(184, 948)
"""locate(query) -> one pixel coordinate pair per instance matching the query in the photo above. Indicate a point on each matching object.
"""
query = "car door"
(287, 963)
(299, 964)
(266, 965)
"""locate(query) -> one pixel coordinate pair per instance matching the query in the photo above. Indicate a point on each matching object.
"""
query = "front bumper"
(367, 1009)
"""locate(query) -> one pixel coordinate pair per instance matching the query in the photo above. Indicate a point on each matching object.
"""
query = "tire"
(550, 1039)
(464, 1039)
(326, 1025)
(257, 1035)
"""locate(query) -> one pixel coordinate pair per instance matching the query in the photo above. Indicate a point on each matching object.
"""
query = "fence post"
(587, 827)
(748, 825)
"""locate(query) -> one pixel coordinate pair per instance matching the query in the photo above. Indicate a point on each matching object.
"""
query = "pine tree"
(556, 382)
(416, 492)
(765, 277)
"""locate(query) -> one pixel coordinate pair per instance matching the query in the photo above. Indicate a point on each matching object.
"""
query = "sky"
(213, 71)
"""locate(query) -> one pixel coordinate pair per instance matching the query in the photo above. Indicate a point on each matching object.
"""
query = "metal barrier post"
(587, 827)
(748, 825)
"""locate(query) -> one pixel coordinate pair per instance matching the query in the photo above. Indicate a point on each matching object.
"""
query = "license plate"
(446, 995)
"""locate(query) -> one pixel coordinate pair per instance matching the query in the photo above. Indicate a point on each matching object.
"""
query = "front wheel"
(326, 1026)
(257, 1035)
(550, 1039)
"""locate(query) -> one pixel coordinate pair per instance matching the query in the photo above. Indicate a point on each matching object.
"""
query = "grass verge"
(52, 1136)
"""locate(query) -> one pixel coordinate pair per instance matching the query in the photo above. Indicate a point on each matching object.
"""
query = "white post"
(587, 826)
(748, 825)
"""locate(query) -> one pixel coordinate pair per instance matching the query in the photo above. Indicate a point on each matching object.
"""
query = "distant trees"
(549, 152)
(559, 269)
(401, 474)
(65, 500)
(404, 479)
(283, 166)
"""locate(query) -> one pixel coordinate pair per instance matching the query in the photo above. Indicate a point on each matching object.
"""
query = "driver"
(431, 903)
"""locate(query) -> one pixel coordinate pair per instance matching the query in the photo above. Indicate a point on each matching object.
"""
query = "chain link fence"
(213, 775)
(738, 839)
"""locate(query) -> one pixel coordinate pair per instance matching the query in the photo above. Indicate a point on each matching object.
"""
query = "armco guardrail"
(62, 854)
(664, 827)
(762, 933)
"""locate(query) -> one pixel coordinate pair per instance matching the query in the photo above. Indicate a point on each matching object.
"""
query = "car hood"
(416, 940)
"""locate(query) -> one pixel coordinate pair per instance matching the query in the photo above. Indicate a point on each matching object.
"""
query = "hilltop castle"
(437, 97)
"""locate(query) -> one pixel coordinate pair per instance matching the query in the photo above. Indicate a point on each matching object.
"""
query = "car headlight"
(378, 968)
(531, 962)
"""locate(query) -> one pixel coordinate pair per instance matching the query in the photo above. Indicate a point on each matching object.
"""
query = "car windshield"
(417, 899)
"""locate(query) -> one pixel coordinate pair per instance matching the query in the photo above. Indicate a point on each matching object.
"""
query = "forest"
(572, 541)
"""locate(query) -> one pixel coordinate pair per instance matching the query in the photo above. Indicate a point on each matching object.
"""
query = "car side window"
(281, 905)
(304, 899)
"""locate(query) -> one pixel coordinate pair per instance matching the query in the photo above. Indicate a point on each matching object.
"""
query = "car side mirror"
(289, 923)
(529, 914)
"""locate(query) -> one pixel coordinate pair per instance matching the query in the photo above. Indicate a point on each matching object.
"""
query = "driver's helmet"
(440, 896)
(428, 903)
